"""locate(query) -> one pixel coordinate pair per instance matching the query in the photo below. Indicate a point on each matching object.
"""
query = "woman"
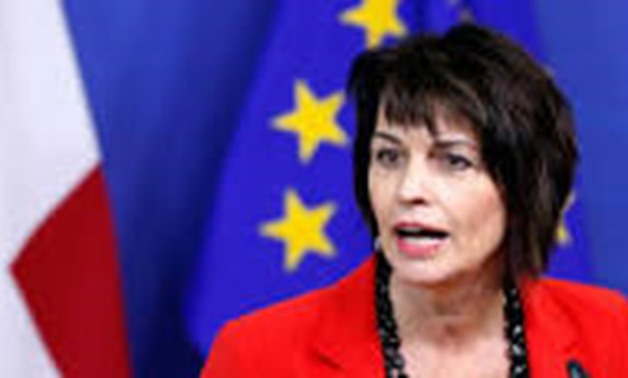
(463, 160)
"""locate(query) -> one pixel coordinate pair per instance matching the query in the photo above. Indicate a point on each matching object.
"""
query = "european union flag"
(285, 220)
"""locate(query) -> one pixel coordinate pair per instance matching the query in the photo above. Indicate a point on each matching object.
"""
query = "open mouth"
(419, 233)
(419, 241)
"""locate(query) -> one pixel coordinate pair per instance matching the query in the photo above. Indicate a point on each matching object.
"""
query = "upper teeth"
(411, 230)
(420, 232)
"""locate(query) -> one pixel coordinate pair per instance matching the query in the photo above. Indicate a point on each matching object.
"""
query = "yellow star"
(313, 121)
(302, 230)
(563, 235)
(379, 18)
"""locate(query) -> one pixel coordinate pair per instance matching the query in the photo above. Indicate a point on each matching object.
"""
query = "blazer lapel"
(550, 334)
(347, 341)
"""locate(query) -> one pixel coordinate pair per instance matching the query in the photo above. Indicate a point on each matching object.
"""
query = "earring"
(377, 244)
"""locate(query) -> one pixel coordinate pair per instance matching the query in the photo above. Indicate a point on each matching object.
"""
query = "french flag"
(61, 310)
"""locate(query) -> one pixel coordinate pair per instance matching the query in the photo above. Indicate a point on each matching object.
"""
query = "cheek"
(483, 216)
(381, 194)
(472, 204)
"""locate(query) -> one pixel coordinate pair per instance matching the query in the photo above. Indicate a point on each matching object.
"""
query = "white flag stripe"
(46, 140)
(22, 352)
(46, 149)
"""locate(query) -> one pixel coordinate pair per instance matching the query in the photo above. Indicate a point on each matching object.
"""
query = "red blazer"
(332, 333)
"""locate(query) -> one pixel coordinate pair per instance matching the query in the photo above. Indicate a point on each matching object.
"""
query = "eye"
(456, 162)
(388, 157)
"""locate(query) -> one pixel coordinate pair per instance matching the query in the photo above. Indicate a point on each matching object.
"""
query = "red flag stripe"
(69, 275)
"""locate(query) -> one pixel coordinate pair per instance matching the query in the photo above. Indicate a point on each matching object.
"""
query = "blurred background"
(202, 109)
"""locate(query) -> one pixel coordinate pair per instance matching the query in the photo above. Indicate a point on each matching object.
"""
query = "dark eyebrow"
(438, 143)
(444, 144)
(389, 137)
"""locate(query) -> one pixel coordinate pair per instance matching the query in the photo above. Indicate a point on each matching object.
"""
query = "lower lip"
(420, 249)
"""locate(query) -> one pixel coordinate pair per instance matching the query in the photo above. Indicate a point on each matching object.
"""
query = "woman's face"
(439, 213)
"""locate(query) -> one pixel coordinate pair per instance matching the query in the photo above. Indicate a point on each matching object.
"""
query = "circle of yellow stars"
(314, 122)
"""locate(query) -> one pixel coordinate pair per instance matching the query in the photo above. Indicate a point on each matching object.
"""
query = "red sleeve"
(622, 337)
(226, 358)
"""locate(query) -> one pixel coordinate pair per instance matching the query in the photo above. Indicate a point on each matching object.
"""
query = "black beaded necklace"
(391, 343)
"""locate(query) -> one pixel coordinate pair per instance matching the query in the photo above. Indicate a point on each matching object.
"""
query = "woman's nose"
(415, 184)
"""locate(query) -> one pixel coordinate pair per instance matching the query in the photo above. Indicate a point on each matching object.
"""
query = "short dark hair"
(523, 122)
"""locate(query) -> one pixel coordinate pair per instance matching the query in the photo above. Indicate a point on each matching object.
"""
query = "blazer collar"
(347, 337)
(348, 340)
(551, 334)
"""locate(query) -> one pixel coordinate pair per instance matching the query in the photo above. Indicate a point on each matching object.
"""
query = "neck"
(454, 313)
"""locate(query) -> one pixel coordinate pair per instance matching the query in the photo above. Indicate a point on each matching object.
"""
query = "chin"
(428, 280)
(428, 273)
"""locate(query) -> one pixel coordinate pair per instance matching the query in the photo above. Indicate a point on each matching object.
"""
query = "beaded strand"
(394, 362)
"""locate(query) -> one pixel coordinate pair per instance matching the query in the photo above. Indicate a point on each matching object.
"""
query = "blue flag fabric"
(165, 81)
(586, 43)
(284, 219)
(274, 174)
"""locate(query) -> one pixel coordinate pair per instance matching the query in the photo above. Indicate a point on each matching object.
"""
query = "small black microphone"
(576, 370)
